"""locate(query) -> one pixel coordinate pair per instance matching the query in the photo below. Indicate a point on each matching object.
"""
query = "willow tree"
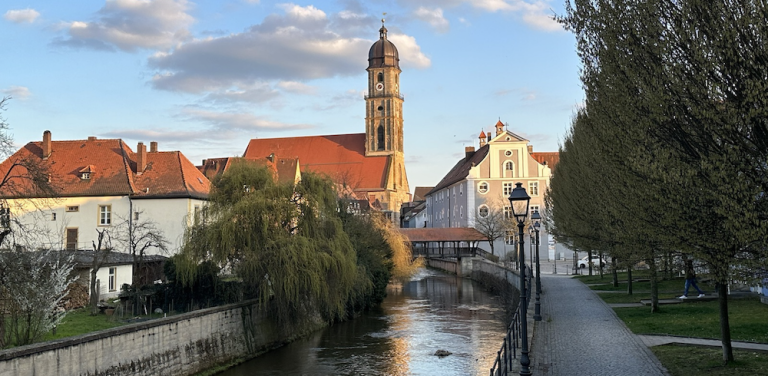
(285, 242)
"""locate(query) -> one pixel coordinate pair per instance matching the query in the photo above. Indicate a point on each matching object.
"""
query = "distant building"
(412, 214)
(370, 164)
(483, 180)
(101, 184)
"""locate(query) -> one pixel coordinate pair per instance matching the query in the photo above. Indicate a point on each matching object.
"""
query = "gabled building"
(484, 179)
(371, 164)
(284, 170)
(102, 184)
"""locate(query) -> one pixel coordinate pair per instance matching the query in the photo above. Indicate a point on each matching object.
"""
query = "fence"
(506, 356)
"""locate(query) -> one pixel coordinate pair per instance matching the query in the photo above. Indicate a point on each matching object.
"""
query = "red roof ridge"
(127, 166)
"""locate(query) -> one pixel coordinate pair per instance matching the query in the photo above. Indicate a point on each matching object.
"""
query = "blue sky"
(204, 77)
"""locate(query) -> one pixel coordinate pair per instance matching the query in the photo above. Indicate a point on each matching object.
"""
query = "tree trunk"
(94, 297)
(629, 280)
(725, 326)
(654, 285)
(615, 273)
(589, 261)
(600, 265)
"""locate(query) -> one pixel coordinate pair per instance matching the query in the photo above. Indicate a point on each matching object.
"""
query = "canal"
(434, 311)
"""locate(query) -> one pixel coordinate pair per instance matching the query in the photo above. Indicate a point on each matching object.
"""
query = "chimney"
(91, 138)
(530, 149)
(153, 147)
(469, 151)
(46, 144)
(141, 158)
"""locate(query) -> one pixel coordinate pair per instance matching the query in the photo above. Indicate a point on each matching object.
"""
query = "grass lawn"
(747, 316)
(683, 360)
(80, 321)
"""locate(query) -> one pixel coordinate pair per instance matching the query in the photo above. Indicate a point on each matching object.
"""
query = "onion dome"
(383, 53)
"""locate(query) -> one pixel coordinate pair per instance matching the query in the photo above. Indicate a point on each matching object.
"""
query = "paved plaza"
(581, 335)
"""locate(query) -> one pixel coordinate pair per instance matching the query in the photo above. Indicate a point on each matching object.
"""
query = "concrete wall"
(178, 345)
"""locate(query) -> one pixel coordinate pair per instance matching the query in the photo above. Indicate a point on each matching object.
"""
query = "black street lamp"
(536, 219)
(519, 199)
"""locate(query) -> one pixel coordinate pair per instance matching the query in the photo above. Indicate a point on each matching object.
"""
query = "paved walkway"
(654, 340)
(580, 335)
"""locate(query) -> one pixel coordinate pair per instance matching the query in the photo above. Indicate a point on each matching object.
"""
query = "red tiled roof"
(420, 193)
(283, 169)
(111, 165)
(341, 157)
(548, 158)
(214, 166)
(447, 234)
(171, 174)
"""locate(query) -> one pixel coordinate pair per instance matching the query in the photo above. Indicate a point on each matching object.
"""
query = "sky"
(205, 77)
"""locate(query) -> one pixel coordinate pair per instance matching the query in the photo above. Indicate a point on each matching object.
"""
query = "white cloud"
(542, 21)
(132, 24)
(21, 15)
(434, 17)
(534, 13)
(18, 92)
(409, 51)
(253, 93)
(296, 87)
(303, 43)
(225, 122)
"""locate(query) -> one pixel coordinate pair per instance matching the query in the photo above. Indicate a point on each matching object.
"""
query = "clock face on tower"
(379, 86)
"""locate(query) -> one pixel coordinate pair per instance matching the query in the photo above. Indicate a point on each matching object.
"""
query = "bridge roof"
(448, 234)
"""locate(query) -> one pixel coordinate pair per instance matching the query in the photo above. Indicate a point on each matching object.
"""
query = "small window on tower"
(380, 77)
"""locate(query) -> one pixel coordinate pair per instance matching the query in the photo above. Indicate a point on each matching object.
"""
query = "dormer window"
(85, 173)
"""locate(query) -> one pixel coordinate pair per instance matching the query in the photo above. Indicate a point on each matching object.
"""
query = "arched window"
(509, 169)
(380, 77)
(380, 137)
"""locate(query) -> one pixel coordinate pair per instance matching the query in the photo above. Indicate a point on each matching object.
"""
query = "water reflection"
(433, 311)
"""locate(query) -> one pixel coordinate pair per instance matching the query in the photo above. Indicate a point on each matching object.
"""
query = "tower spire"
(383, 30)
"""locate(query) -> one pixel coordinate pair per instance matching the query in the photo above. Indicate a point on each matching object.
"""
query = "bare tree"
(101, 252)
(492, 222)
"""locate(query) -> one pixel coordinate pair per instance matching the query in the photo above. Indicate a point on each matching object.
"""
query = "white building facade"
(482, 181)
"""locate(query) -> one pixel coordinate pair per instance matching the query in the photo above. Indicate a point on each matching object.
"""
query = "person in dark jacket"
(690, 280)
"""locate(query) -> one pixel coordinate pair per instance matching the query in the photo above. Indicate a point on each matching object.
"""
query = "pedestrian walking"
(690, 280)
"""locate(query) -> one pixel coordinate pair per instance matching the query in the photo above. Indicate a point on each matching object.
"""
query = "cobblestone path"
(580, 335)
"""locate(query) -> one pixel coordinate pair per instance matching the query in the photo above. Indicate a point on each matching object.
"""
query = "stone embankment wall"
(179, 345)
(468, 265)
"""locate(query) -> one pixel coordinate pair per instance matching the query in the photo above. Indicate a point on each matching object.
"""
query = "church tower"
(384, 122)
(384, 103)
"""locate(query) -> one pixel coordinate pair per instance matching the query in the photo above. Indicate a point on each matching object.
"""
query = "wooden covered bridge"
(450, 242)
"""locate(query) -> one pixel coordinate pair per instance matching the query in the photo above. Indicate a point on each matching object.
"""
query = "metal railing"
(506, 356)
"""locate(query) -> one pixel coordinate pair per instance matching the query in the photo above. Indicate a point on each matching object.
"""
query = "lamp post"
(519, 199)
(533, 243)
(536, 219)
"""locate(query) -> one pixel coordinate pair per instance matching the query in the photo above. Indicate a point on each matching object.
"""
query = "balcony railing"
(384, 95)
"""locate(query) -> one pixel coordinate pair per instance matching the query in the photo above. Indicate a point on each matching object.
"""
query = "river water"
(434, 311)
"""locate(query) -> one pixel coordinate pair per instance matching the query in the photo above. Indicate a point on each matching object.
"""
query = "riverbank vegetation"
(666, 158)
(295, 248)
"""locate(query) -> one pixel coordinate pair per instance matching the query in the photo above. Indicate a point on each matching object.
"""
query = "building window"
(71, 239)
(112, 279)
(85, 175)
(461, 190)
(533, 188)
(482, 211)
(509, 169)
(508, 212)
(105, 215)
(461, 212)
(72, 209)
(508, 153)
(380, 77)
(535, 208)
(136, 216)
(53, 216)
(482, 187)
(508, 189)
(510, 238)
